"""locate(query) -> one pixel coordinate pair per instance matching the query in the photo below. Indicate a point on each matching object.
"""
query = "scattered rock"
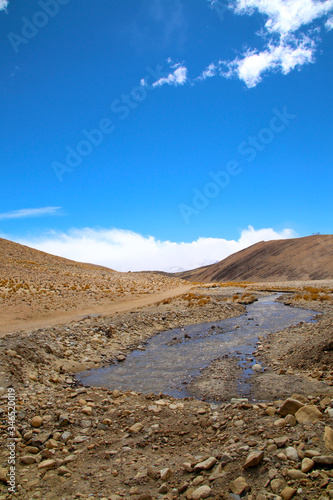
(287, 493)
(254, 458)
(206, 465)
(36, 421)
(308, 413)
(202, 492)
(290, 407)
(166, 474)
(134, 429)
(239, 485)
(328, 438)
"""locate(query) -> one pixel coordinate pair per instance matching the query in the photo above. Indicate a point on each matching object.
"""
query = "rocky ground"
(93, 443)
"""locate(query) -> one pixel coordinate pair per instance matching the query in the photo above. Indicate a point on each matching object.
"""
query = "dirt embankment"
(95, 443)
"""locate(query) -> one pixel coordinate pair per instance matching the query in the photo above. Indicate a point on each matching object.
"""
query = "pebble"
(296, 474)
(308, 413)
(328, 438)
(307, 464)
(277, 485)
(254, 458)
(202, 492)
(36, 421)
(290, 407)
(47, 464)
(323, 460)
(287, 493)
(166, 474)
(28, 459)
(134, 429)
(238, 486)
(291, 454)
(206, 465)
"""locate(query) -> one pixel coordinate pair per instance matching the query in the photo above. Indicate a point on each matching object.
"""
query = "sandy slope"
(309, 258)
(38, 289)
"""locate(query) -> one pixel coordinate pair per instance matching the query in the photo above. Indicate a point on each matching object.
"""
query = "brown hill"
(35, 286)
(309, 258)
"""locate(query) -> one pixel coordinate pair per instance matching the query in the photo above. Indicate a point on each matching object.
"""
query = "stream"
(173, 358)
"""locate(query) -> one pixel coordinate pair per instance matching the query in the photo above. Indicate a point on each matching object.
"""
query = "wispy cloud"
(177, 77)
(3, 4)
(128, 251)
(29, 212)
(290, 33)
(289, 53)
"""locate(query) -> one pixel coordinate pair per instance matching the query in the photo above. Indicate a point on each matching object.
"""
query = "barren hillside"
(35, 285)
(309, 258)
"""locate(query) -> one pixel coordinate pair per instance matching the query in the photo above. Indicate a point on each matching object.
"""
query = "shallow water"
(173, 358)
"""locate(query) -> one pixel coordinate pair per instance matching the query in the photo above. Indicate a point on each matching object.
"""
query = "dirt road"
(56, 318)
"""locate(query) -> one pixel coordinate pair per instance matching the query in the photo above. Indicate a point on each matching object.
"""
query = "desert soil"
(94, 443)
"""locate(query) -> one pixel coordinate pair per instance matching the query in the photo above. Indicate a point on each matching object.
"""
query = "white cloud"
(128, 251)
(288, 54)
(210, 71)
(3, 4)
(285, 16)
(290, 33)
(29, 212)
(329, 23)
(178, 77)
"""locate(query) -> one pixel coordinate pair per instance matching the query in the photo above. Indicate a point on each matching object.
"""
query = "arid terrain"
(60, 317)
(308, 258)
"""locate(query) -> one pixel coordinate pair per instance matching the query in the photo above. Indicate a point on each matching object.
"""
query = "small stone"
(290, 420)
(308, 413)
(163, 488)
(277, 485)
(280, 441)
(47, 464)
(324, 460)
(290, 407)
(62, 471)
(311, 453)
(31, 449)
(202, 492)
(166, 474)
(136, 428)
(218, 472)
(28, 459)
(65, 436)
(3, 475)
(292, 454)
(51, 444)
(206, 465)
(328, 438)
(33, 377)
(198, 480)
(256, 368)
(296, 474)
(287, 493)
(36, 421)
(63, 420)
(307, 464)
(87, 410)
(238, 486)
(254, 458)
(11, 353)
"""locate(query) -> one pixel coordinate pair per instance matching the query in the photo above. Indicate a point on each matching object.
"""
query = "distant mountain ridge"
(307, 258)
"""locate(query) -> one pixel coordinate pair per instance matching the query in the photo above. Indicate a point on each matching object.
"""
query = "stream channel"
(173, 358)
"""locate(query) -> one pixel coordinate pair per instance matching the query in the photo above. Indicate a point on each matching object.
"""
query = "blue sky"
(163, 134)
